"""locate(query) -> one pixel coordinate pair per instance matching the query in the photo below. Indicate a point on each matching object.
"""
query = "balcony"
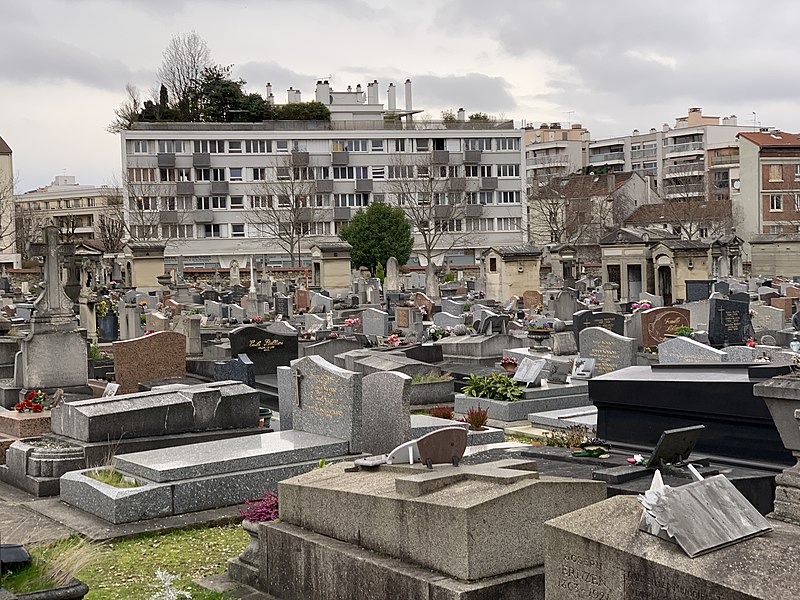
(305, 214)
(342, 213)
(643, 153)
(340, 158)
(203, 216)
(489, 183)
(443, 211)
(457, 184)
(651, 172)
(472, 157)
(473, 210)
(168, 217)
(607, 157)
(694, 147)
(684, 190)
(184, 188)
(166, 159)
(201, 159)
(728, 159)
(299, 159)
(363, 185)
(548, 160)
(440, 157)
(685, 169)
(324, 186)
(219, 187)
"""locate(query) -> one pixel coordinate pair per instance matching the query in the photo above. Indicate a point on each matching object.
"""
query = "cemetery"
(435, 424)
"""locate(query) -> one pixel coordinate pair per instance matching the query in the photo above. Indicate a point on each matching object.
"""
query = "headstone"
(657, 323)
(385, 405)
(741, 354)
(583, 368)
(268, 349)
(564, 343)
(454, 307)
(682, 350)
(653, 300)
(610, 351)
(327, 401)
(238, 369)
(375, 322)
(766, 293)
(321, 303)
(391, 280)
(155, 321)
(529, 372)
(723, 287)
(422, 300)
(740, 297)
(785, 304)
(563, 305)
(558, 372)
(445, 319)
(531, 299)
(302, 300)
(796, 321)
(153, 357)
(767, 318)
(283, 305)
(729, 322)
(313, 322)
(698, 289)
(189, 325)
(587, 318)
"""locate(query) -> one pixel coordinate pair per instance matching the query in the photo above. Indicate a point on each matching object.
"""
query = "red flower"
(37, 408)
(30, 396)
(751, 343)
(19, 407)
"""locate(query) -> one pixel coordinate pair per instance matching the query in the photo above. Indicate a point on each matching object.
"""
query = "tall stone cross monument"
(53, 308)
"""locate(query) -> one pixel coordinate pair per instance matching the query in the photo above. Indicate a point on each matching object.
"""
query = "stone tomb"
(385, 407)
(267, 349)
(767, 318)
(375, 322)
(386, 541)
(729, 322)
(154, 357)
(657, 323)
(682, 350)
(610, 351)
(698, 289)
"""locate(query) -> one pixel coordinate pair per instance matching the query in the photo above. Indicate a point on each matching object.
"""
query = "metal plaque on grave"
(675, 446)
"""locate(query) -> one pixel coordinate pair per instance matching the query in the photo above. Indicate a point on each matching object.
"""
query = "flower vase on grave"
(510, 368)
(539, 336)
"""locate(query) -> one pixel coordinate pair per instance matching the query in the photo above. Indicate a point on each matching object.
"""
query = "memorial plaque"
(675, 446)
(283, 306)
(268, 350)
(657, 323)
(446, 445)
(529, 372)
(559, 371)
(583, 368)
(729, 322)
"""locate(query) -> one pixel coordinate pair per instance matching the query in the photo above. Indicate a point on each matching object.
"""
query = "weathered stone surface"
(598, 552)
(153, 357)
(22, 425)
(610, 351)
(564, 343)
(658, 322)
(391, 282)
(446, 319)
(385, 408)
(189, 325)
(375, 322)
(683, 350)
(238, 369)
(698, 289)
(531, 299)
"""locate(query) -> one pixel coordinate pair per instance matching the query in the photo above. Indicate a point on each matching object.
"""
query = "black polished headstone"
(587, 318)
(282, 305)
(698, 289)
(267, 350)
(728, 322)
(740, 297)
(675, 445)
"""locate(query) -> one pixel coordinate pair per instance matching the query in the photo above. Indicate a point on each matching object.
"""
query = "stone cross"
(298, 377)
(53, 300)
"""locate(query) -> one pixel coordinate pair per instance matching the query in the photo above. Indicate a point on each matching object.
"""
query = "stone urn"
(782, 397)
(539, 336)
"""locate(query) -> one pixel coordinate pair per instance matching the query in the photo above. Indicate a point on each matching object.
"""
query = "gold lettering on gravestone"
(605, 323)
(325, 390)
(733, 321)
(606, 355)
(265, 345)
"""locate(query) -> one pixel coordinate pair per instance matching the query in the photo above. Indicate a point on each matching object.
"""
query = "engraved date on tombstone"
(582, 578)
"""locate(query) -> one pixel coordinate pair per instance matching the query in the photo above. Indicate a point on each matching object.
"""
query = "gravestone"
(564, 343)
(766, 293)
(785, 304)
(421, 299)
(587, 318)
(321, 303)
(238, 369)
(796, 321)
(268, 349)
(189, 326)
(767, 318)
(558, 372)
(682, 350)
(563, 305)
(657, 323)
(698, 289)
(652, 299)
(454, 307)
(385, 407)
(729, 322)
(155, 321)
(723, 287)
(313, 322)
(302, 300)
(445, 319)
(283, 305)
(740, 297)
(375, 322)
(610, 351)
(531, 299)
(529, 372)
(327, 401)
(157, 356)
(391, 281)
(741, 354)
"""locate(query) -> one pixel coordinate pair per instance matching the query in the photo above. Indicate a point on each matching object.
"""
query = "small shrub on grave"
(683, 331)
(430, 377)
(261, 509)
(477, 418)
(442, 412)
(494, 387)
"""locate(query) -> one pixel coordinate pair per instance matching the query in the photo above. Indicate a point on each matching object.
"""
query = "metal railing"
(727, 159)
(607, 157)
(644, 153)
(687, 147)
(350, 125)
(553, 159)
(685, 168)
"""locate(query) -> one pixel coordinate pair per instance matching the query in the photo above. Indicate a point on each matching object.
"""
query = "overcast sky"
(612, 66)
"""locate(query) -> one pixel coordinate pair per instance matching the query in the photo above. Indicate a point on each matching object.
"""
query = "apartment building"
(206, 188)
(551, 150)
(75, 209)
(769, 165)
(8, 255)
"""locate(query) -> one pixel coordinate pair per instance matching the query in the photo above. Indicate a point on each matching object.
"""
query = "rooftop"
(590, 186)
(351, 125)
(511, 251)
(774, 139)
(4, 148)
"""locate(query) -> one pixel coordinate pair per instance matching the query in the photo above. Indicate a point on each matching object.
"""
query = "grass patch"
(126, 569)
(52, 565)
(431, 377)
(111, 477)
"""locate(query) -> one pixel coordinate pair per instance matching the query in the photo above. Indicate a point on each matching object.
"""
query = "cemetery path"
(19, 525)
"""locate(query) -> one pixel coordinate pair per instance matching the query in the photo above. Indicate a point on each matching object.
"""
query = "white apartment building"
(76, 209)
(552, 150)
(204, 182)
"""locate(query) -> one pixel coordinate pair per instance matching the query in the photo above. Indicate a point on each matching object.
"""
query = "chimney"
(652, 130)
(323, 92)
(462, 116)
(392, 95)
(375, 92)
(269, 88)
(665, 127)
(370, 93)
(409, 102)
(611, 179)
(293, 95)
(635, 132)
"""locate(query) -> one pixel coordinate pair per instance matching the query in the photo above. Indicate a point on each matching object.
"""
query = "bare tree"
(435, 200)
(28, 228)
(111, 229)
(285, 206)
(8, 217)
(689, 211)
(182, 65)
(127, 113)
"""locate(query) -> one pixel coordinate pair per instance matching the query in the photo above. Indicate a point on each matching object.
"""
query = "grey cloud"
(474, 91)
(258, 74)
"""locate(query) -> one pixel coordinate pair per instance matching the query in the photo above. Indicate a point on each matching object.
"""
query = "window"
(797, 172)
(258, 146)
(170, 146)
(145, 232)
(452, 225)
(775, 229)
(508, 170)
(797, 202)
(237, 230)
(776, 202)
(282, 146)
(508, 223)
(218, 174)
(486, 197)
(89, 202)
(236, 173)
(480, 224)
(316, 228)
(203, 203)
(177, 231)
(493, 264)
(139, 174)
(179, 203)
(449, 171)
(219, 202)
(209, 146)
(509, 198)
(183, 174)
(486, 170)
(343, 172)
(215, 230)
(423, 172)
(143, 203)
(703, 232)
(237, 202)
(166, 174)
(303, 173)
(361, 172)
(508, 143)
(379, 172)
(422, 144)
(381, 198)
(401, 171)
(377, 145)
(350, 145)
(235, 147)
(399, 145)
(202, 174)
(259, 174)
(472, 170)
(139, 146)
(343, 200)
(259, 202)
(478, 144)
(323, 172)
(775, 173)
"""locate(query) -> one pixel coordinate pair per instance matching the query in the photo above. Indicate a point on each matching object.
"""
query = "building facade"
(210, 190)
(8, 254)
(551, 150)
